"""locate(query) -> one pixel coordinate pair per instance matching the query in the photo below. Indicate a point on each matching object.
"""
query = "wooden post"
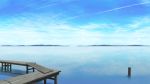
(2, 68)
(44, 81)
(55, 80)
(129, 72)
(33, 69)
(5, 67)
(27, 68)
(10, 67)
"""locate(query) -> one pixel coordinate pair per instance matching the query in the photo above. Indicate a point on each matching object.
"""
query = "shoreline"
(74, 45)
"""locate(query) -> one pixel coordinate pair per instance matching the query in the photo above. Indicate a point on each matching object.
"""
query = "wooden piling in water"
(44, 81)
(129, 72)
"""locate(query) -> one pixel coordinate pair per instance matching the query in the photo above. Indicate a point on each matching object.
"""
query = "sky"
(75, 22)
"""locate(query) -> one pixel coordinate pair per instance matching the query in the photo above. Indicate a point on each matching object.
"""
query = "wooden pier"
(39, 73)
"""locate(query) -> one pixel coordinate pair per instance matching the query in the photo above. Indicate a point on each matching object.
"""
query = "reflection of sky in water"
(87, 65)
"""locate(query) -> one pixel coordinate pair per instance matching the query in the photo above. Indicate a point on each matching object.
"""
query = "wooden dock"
(39, 73)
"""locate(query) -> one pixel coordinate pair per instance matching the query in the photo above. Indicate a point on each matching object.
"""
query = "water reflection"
(87, 65)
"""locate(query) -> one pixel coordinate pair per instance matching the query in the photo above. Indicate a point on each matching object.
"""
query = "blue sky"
(74, 22)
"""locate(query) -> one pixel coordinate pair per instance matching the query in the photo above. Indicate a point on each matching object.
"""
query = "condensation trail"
(114, 9)
(55, 3)
(123, 7)
(48, 4)
(33, 4)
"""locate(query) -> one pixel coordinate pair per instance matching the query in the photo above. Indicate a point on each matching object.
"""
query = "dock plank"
(30, 78)
(4, 82)
(15, 62)
(40, 68)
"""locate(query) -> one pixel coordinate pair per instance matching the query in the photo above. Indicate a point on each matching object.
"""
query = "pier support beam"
(6, 67)
(129, 72)
(2, 66)
(55, 80)
(28, 68)
(44, 81)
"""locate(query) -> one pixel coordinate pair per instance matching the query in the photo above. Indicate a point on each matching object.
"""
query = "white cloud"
(49, 30)
(98, 26)
(146, 1)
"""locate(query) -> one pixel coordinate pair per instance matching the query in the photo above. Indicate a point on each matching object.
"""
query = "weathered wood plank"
(40, 68)
(4, 82)
(14, 62)
(32, 77)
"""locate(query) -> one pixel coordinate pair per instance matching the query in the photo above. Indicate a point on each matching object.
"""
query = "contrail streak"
(110, 10)
(55, 3)
(48, 4)
(123, 7)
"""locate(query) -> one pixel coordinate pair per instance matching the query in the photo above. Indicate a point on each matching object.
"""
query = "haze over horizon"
(75, 22)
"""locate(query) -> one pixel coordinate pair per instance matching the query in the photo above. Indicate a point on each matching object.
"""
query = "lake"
(85, 65)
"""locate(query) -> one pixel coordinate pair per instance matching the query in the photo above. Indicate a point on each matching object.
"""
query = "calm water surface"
(85, 65)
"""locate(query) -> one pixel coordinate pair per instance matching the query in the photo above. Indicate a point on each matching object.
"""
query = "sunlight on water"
(87, 65)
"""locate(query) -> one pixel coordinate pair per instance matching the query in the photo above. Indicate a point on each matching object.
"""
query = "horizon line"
(78, 45)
